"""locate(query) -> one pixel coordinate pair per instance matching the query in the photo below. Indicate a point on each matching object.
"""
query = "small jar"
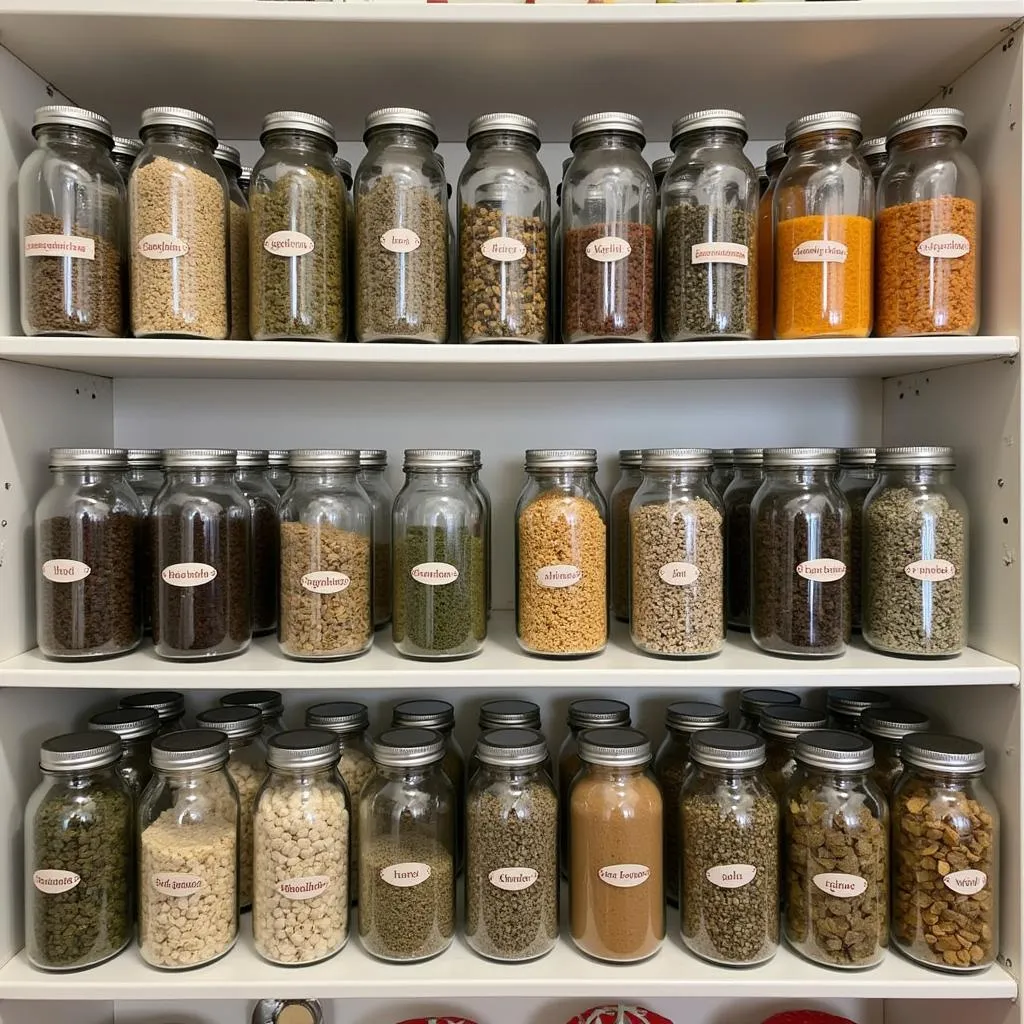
(730, 865)
(300, 903)
(135, 728)
(782, 725)
(512, 849)
(556, 259)
(439, 604)
(508, 714)
(916, 530)
(800, 555)
(269, 703)
(169, 706)
(724, 469)
(747, 477)
(326, 523)
(278, 472)
(123, 154)
(298, 231)
(88, 538)
(823, 209)
(945, 849)
(504, 213)
(754, 701)
(485, 497)
(856, 478)
(630, 478)
(401, 243)
(887, 728)
(608, 233)
(178, 216)
(202, 558)
(616, 909)
(373, 466)
(709, 231)
(251, 477)
(188, 852)
(561, 557)
(238, 240)
(79, 872)
(836, 894)
(676, 594)
(845, 706)
(775, 160)
(407, 849)
(875, 156)
(929, 229)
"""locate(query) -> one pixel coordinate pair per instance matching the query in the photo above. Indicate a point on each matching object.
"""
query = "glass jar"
(298, 231)
(775, 160)
(169, 706)
(856, 478)
(929, 229)
(561, 556)
(373, 466)
(916, 530)
(945, 850)
(135, 728)
(244, 177)
(188, 852)
(251, 477)
(145, 474)
(512, 849)
(326, 577)
(556, 259)
(278, 472)
(616, 909)
(123, 154)
(608, 232)
(724, 469)
(407, 849)
(504, 212)
(88, 533)
(508, 714)
(202, 557)
(800, 555)
(823, 209)
(730, 844)
(836, 894)
(887, 728)
(709, 231)
(630, 478)
(238, 240)
(269, 703)
(485, 497)
(300, 903)
(439, 604)
(677, 597)
(846, 705)
(347, 255)
(401, 244)
(748, 475)
(875, 156)
(178, 215)
(79, 901)
(782, 725)
(754, 701)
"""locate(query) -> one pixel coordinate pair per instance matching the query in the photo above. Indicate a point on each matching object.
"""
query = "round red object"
(619, 1013)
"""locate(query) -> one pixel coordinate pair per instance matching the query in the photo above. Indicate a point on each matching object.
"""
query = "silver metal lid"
(677, 458)
(323, 458)
(88, 458)
(893, 723)
(244, 177)
(723, 456)
(512, 748)
(827, 120)
(591, 712)
(748, 456)
(952, 754)
(753, 700)
(199, 458)
(607, 121)
(439, 458)
(856, 457)
(794, 458)
(126, 147)
(872, 148)
(615, 747)
(693, 715)
(79, 750)
(72, 117)
(702, 119)
(126, 723)
(344, 169)
(789, 720)
(936, 456)
(776, 154)
(853, 701)
(177, 117)
(561, 458)
(762, 174)
(727, 748)
(278, 456)
(661, 165)
(408, 748)
(630, 458)
(168, 704)
(145, 458)
(933, 117)
(252, 458)
(269, 703)
(509, 714)
(838, 751)
(299, 121)
(373, 458)
(399, 117)
(423, 714)
(229, 156)
(237, 723)
(502, 123)
(303, 748)
(340, 716)
(194, 748)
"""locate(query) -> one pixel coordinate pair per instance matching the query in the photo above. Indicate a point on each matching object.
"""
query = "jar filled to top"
(846, 705)
(887, 728)
(373, 466)
(169, 706)
(748, 475)
(782, 725)
(269, 703)
(775, 160)
(856, 478)
(278, 472)
(135, 728)
(630, 477)
(753, 701)
(238, 239)
(251, 476)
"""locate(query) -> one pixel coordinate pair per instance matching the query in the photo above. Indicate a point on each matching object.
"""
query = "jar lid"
(278, 456)
(323, 458)
(852, 701)
(168, 704)
(849, 457)
(88, 458)
(827, 120)
(694, 715)
(244, 177)
(408, 748)
(77, 750)
(701, 119)
(587, 712)
(872, 148)
(344, 169)
(748, 456)
(661, 165)
(727, 748)
(199, 458)
(252, 458)
(228, 155)
(752, 701)
(303, 748)
(502, 123)
(177, 117)
(630, 458)
(933, 117)
(776, 154)
(561, 458)
(299, 121)
(723, 456)
(145, 458)
(831, 748)
(677, 458)
(781, 458)
(269, 703)
(423, 714)
(127, 723)
(373, 458)
(399, 117)
(789, 720)
(512, 748)
(616, 747)
(194, 748)
(893, 723)
(340, 716)
(237, 723)
(953, 754)
(509, 714)
(936, 456)
(439, 458)
(73, 117)
(608, 121)
(124, 146)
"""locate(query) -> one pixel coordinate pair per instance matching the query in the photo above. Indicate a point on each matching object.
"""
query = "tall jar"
(407, 849)
(485, 498)
(188, 852)
(887, 728)
(135, 728)
(846, 705)
(945, 909)
(298, 231)
(79, 872)
(504, 212)
(269, 703)
(916, 530)
(782, 725)
(775, 160)
(251, 476)
(823, 208)
(169, 706)
(71, 204)
(401, 243)
(730, 842)
(737, 499)
(348, 257)
(202, 557)
(929, 229)
(300, 904)
(238, 240)
(630, 477)
(512, 849)
(556, 259)
(836, 894)
(800, 555)
(278, 472)
(88, 540)
(709, 231)
(561, 555)
(616, 909)
(659, 168)
(123, 154)
(326, 523)
(439, 603)
(145, 476)
(875, 156)
(178, 216)
(856, 478)
(754, 700)
(677, 594)
(373, 466)
(608, 233)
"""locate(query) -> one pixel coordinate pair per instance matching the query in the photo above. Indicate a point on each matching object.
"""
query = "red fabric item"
(438, 1020)
(619, 1014)
(806, 1017)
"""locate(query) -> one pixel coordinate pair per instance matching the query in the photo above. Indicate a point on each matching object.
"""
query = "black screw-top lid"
(423, 714)
(269, 703)
(76, 751)
(512, 748)
(408, 748)
(893, 723)
(168, 704)
(592, 713)
(790, 720)
(126, 723)
(303, 748)
(953, 755)
(613, 747)
(340, 716)
(694, 715)
(509, 714)
(853, 701)
(191, 749)
(835, 750)
(752, 701)
(236, 722)
(727, 748)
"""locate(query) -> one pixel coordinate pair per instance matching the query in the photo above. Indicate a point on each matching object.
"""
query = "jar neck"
(407, 773)
(81, 778)
(237, 743)
(806, 476)
(87, 475)
(176, 135)
(858, 472)
(947, 780)
(714, 136)
(184, 776)
(70, 135)
(826, 138)
(615, 772)
(403, 135)
(928, 138)
(204, 475)
(914, 475)
(725, 776)
(748, 473)
(317, 478)
(840, 778)
(303, 775)
(678, 476)
(372, 473)
(508, 141)
(505, 773)
(608, 140)
(555, 477)
(299, 141)
(437, 475)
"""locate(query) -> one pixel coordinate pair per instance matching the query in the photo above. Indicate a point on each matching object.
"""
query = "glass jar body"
(134, 766)
(264, 545)
(238, 257)
(355, 767)
(146, 484)
(856, 482)
(485, 498)
(382, 499)
(247, 766)
(766, 260)
(630, 478)
(671, 766)
(739, 496)
(888, 765)
(780, 762)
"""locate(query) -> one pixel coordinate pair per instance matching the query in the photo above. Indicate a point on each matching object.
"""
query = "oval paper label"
(400, 240)
(624, 876)
(966, 882)
(403, 876)
(608, 249)
(559, 575)
(513, 879)
(679, 574)
(162, 247)
(504, 250)
(306, 888)
(820, 252)
(288, 243)
(53, 883)
(60, 245)
(65, 570)
(822, 570)
(720, 252)
(188, 574)
(837, 884)
(731, 876)
(931, 569)
(944, 247)
(325, 582)
(169, 884)
(434, 574)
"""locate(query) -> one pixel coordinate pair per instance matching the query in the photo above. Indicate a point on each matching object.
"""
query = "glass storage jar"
(845, 706)
(887, 728)
(278, 472)
(407, 849)
(504, 215)
(485, 498)
(202, 557)
(244, 177)
(269, 703)
(775, 160)
(609, 208)
(730, 844)
(836, 895)
(709, 231)
(238, 240)
(300, 904)
(145, 474)
(511, 848)
(88, 536)
(875, 156)
(178, 218)
(401, 243)
(916, 530)
(373, 466)
(945, 849)
(169, 706)
(556, 259)
(135, 728)
(616, 909)
(561, 557)
(439, 603)
(754, 701)
(123, 154)
(71, 203)
(251, 476)
(348, 234)
(822, 213)
(855, 480)
(508, 714)
(188, 852)
(800, 555)
(781, 725)
(79, 900)
(747, 477)
(929, 229)
(724, 469)
(630, 477)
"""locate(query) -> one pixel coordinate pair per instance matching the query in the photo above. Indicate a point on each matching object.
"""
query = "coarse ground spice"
(238, 259)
